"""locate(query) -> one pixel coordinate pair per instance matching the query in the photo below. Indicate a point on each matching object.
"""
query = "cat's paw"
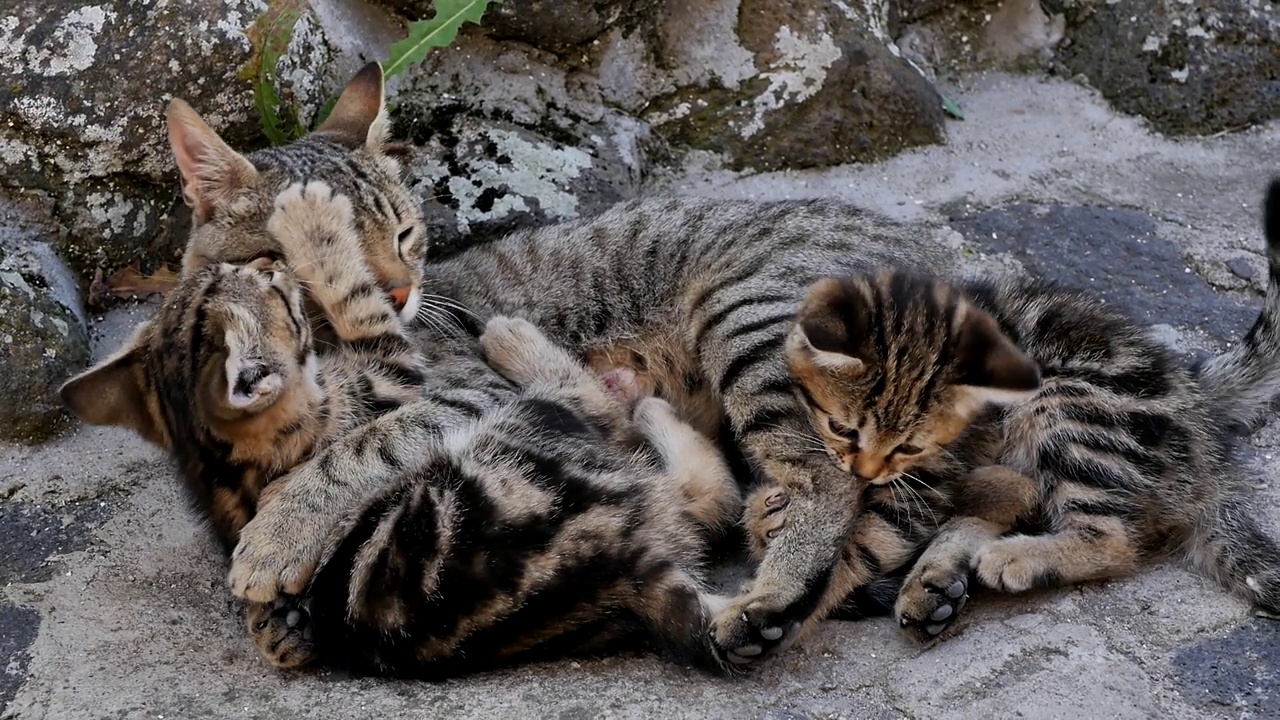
(1014, 564)
(282, 632)
(276, 555)
(516, 348)
(309, 219)
(931, 598)
(754, 627)
(765, 517)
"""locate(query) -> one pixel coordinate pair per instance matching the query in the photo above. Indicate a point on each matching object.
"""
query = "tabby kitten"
(226, 376)
(1100, 447)
(705, 292)
(546, 526)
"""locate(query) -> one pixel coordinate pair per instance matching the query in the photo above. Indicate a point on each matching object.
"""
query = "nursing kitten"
(1101, 449)
(541, 522)
(705, 292)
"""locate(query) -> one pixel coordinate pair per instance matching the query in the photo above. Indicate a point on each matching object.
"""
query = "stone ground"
(111, 607)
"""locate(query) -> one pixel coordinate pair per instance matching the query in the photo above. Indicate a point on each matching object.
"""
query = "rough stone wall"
(549, 110)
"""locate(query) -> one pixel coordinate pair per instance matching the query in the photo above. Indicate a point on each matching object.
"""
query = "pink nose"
(399, 295)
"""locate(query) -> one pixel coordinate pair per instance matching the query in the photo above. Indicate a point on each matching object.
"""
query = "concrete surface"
(112, 606)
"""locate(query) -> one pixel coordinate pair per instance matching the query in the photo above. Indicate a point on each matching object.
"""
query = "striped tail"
(1243, 381)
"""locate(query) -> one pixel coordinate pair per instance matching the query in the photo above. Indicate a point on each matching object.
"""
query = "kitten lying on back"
(1083, 430)
(520, 523)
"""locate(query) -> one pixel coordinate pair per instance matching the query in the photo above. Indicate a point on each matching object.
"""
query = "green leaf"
(270, 35)
(439, 31)
(950, 106)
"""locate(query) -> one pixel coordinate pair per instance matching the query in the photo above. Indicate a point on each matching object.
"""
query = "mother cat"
(702, 291)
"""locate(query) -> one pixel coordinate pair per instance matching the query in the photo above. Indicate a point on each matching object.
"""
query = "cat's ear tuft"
(990, 363)
(211, 171)
(359, 119)
(113, 393)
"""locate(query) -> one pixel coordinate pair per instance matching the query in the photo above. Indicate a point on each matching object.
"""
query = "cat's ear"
(113, 393)
(830, 325)
(211, 171)
(359, 119)
(989, 363)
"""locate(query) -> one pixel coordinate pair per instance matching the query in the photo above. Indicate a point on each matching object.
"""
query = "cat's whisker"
(442, 301)
(925, 506)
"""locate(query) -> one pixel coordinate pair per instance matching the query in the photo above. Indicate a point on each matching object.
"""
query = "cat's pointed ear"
(989, 363)
(359, 119)
(211, 171)
(830, 325)
(113, 392)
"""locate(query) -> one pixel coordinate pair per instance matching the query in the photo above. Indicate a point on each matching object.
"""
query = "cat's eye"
(404, 240)
(908, 449)
(838, 428)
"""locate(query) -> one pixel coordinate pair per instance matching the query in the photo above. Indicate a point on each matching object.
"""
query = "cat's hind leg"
(693, 464)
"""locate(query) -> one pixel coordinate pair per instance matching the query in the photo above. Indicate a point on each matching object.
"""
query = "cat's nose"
(399, 294)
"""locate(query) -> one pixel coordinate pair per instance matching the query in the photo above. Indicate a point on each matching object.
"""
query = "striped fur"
(544, 527)
(232, 195)
(711, 288)
(1108, 452)
(505, 527)
(704, 292)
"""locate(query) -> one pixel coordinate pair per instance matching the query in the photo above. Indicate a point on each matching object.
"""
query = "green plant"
(272, 31)
(270, 35)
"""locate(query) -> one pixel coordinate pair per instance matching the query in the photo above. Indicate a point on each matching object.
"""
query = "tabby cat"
(1088, 436)
(552, 524)
(703, 291)
(707, 288)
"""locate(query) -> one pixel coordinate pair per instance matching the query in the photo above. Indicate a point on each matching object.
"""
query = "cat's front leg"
(281, 630)
(988, 502)
(801, 577)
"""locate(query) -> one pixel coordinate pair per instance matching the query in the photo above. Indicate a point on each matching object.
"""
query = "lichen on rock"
(83, 88)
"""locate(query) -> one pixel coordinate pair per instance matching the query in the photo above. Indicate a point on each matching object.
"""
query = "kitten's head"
(230, 346)
(895, 366)
(232, 195)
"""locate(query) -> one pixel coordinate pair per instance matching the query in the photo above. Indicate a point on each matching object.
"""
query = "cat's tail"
(1230, 547)
(1243, 381)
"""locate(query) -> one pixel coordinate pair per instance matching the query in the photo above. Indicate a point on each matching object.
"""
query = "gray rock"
(821, 88)
(506, 136)
(41, 344)
(1188, 68)
(1241, 268)
(83, 88)
(479, 175)
(550, 24)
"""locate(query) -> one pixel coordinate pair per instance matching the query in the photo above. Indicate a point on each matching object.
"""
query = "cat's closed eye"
(838, 428)
(908, 449)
